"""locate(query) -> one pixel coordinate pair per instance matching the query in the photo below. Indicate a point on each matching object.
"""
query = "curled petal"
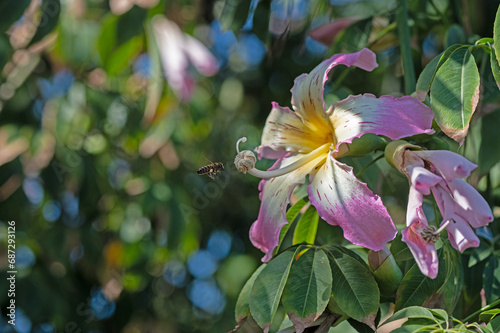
(275, 196)
(307, 92)
(284, 130)
(422, 179)
(395, 118)
(414, 212)
(461, 235)
(449, 164)
(470, 204)
(341, 199)
(425, 254)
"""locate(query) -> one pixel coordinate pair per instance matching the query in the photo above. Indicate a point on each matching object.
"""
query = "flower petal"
(395, 118)
(425, 254)
(170, 41)
(307, 92)
(200, 56)
(451, 165)
(275, 196)
(284, 130)
(414, 212)
(470, 204)
(422, 179)
(341, 199)
(461, 235)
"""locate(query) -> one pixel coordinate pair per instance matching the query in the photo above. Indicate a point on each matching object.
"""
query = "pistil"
(245, 161)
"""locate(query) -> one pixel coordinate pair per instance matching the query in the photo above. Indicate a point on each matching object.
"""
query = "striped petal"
(341, 199)
(395, 118)
(275, 196)
(307, 92)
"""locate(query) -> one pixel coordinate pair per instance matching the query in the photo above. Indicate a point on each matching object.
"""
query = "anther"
(430, 234)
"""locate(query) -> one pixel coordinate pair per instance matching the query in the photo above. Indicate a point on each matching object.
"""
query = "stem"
(487, 307)
(368, 165)
(405, 47)
(318, 153)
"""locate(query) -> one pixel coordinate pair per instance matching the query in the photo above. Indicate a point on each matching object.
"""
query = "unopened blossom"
(177, 51)
(308, 141)
(438, 172)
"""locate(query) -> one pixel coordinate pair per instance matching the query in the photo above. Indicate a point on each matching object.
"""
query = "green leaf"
(10, 12)
(399, 249)
(353, 38)
(354, 288)
(495, 67)
(496, 33)
(411, 312)
(479, 253)
(488, 315)
(234, 14)
(268, 287)
(416, 288)
(425, 79)
(291, 215)
(307, 226)
(308, 288)
(130, 24)
(489, 154)
(242, 308)
(455, 93)
(494, 325)
(448, 294)
(50, 17)
(491, 279)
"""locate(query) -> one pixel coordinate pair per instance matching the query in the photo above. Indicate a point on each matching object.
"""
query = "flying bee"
(211, 170)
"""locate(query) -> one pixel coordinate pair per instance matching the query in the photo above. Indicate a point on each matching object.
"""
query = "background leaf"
(11, 11)
(50, 17)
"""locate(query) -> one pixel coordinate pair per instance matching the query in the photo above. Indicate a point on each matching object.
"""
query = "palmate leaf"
(412, 312)
(354, 288)
(495, 67)
(455, 93)
(308, 288)
(234, 14)
(242, 308)
(291, 215)
(268, 287)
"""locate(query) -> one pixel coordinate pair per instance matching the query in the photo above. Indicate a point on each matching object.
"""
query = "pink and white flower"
(178, 50)
(308, 141)
(462, 207)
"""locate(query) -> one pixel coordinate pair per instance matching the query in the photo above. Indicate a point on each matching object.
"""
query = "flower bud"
(385, 270)
(394, 153)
